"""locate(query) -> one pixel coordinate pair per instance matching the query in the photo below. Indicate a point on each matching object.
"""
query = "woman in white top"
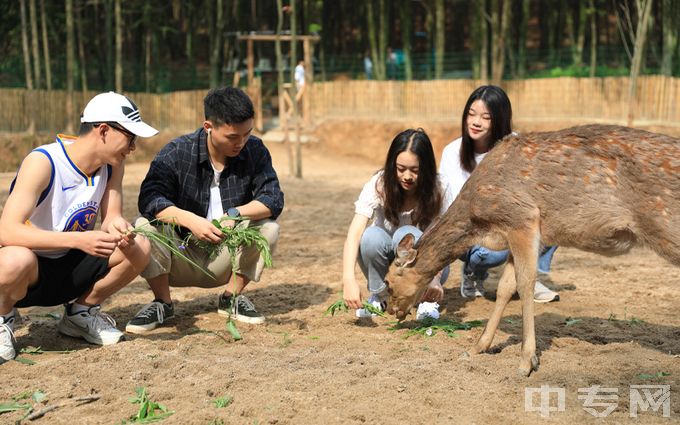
(487, 118)
(406, 196)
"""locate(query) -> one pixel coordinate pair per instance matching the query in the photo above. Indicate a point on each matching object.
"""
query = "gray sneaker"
(7, 351)
(150, 316)
(471, 286)
(542, 294)
(92, 325)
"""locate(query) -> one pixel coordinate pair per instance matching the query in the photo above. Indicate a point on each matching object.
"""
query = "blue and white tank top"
(71, 201)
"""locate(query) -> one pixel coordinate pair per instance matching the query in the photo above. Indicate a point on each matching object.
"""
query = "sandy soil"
(615, 326)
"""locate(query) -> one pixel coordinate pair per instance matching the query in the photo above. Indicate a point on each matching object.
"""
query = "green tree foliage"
(164, 45)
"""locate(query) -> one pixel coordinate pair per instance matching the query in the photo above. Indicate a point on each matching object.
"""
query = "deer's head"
(405, 284)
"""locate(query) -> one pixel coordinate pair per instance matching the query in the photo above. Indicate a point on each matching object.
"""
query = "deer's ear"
(406, 255)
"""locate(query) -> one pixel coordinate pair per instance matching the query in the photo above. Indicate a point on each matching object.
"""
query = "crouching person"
(219, 172)
(50, 252)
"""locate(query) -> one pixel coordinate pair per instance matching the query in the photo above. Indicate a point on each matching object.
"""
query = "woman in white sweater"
(404, 197)
(487, 118)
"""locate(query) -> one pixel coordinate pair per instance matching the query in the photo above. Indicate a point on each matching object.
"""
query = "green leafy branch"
(341, 305)
(173, 243)
(429, 327)
(233, 238)
(149, 411)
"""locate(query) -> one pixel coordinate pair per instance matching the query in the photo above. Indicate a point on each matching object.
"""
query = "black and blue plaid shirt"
(181, 173)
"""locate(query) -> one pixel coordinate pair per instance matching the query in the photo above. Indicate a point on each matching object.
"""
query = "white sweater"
(451, 170)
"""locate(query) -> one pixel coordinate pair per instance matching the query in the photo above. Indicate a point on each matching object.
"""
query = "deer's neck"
(449, 238)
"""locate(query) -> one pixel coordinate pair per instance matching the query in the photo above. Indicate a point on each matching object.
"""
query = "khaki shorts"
(249, 263)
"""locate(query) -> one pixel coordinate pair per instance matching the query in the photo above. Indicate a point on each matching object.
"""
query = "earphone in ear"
(209, 130)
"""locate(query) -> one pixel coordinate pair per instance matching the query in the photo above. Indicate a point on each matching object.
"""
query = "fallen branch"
(78, 401)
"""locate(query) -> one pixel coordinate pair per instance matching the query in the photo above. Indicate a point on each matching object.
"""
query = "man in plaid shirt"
(220, 171)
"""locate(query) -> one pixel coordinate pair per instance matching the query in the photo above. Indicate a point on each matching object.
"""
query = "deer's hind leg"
(507, 286)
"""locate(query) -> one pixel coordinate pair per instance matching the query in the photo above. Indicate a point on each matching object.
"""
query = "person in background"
(299, 80)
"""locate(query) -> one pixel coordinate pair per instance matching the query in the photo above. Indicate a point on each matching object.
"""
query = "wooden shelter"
(254, 88)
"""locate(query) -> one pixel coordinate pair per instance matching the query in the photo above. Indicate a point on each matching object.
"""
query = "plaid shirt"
(181, 173)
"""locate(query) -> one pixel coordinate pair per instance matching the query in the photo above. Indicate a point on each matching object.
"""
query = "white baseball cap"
(114, 107)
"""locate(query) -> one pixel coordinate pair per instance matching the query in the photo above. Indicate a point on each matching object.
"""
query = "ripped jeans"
(378, 249)
(478, 260)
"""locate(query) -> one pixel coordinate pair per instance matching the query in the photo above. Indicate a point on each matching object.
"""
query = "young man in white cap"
(50, 252)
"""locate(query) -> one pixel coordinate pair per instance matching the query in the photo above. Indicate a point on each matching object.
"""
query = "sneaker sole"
(142, 329)
(245, 319)
(72, 331)
(554, 299)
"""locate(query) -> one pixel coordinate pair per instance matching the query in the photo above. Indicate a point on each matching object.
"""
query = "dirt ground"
(616, 325)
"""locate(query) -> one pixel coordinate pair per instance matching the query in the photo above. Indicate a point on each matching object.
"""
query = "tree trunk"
(119, 46)
(638, 51)
(593, 37)
(296, 110)
(484, 43)
(33, 13)
(499, 30)
(522, 41)
(378, 66)
(109, 39)
(28, 73)
(554, 31)
(670, 16)
(189, 43)
(147, 29)
(216, 45)
(383, 38)
(70, 68)
(81, 47)
(46, 46)
(283, 113)
(405, 18)
(429, 29)
(581, 32)
(439, 39)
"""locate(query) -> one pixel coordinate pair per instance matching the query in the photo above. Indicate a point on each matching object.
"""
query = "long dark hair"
(428, 190)
(500, 109)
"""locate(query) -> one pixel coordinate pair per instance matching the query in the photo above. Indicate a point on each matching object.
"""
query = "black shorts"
(63, 279)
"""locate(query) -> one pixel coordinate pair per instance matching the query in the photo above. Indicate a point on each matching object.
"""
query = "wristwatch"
(233, 212)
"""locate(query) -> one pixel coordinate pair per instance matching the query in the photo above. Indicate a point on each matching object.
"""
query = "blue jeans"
(478, 260)
(378, 249)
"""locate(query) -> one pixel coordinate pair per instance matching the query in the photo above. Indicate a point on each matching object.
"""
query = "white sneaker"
(92, 325)
(470, 286)
(427, 309)
(542, 294)
(7, 351)
(376, 301)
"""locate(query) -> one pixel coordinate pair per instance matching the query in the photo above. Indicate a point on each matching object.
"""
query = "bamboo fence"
(602, 100)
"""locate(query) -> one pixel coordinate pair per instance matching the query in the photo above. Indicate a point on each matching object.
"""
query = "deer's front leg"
(506, 289)
(524, 245)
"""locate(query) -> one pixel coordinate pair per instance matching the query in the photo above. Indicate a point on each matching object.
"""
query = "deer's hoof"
(465, 356)
(525, 371)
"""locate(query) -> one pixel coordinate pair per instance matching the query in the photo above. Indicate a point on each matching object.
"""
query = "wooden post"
(309, 79)
(251, 62)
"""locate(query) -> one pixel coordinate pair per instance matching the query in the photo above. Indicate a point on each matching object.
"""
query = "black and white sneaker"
(243, 311)
(150, 316)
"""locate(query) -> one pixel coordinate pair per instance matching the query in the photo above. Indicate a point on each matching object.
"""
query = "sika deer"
(599, 188)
